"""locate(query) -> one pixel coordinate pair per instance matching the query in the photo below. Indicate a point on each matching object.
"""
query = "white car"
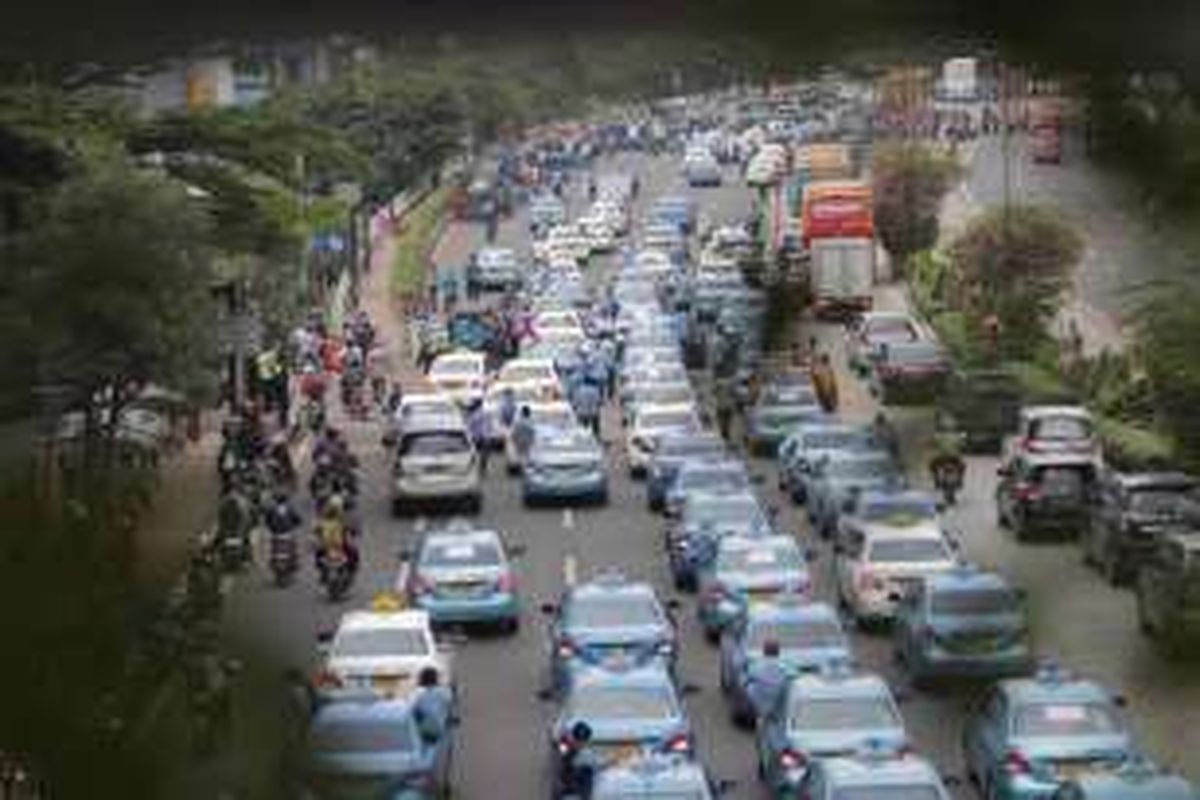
(537, 371)
(556, 320)
(648, 424)
(552, 414)
(653, 262)
(460, 375)
(379, 653)
(523, 392)
(416, 404)
(874, 566)
(1054, 429)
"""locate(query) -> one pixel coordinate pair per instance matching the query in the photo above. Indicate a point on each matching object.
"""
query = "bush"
(415, 240)
(1131, 447)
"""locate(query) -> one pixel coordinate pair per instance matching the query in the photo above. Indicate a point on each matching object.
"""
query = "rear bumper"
(1004, 663)
(491, 608)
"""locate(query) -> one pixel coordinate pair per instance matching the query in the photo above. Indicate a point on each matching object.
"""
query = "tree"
(1166, 330)
(910, 181)
(1012, 264)
(112, 290)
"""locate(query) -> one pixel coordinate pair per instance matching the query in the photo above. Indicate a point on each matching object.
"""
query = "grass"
(416, 238)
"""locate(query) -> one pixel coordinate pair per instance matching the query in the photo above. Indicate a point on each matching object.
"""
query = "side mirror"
(1021, 594)
(389, 439)
(405, 554)
(952, 781)
(725, 786)
(941, 507)
(901, 697)
(812, 555)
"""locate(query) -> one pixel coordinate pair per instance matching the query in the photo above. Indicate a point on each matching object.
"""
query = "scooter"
(234, 549)
(336, 575)
(948, 477)
(284, 558)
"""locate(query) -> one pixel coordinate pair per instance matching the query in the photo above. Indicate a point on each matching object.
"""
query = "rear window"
(365, 736)
(834, 440)
(1065, 719)
(667, 419)
(460, 554)
(610, 612)
(888, 792)
(861, 468)
(759, 559)
(1062, 428)
(842, 713)
(795, 634)
(974, 601)
(621, 702)
(913, 354)
(890, 328)
(434, 444)
(456, 367)
(908, 551)
(1063, 481)
(369, 642)
(898, 511)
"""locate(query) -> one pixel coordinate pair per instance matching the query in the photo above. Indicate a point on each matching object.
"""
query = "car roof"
(964, 578)
(899, 495)
(1034, 412)
(650, 675)
(781, 608)
(1155, 480)
(363, 619)
(1054, 685)
(434, 422)
(743, 543)
(452, 537)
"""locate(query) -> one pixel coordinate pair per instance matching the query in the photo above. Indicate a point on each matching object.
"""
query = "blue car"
(463, 575)
(749, 570)
(810, 638)
(706, 519)
(376, 749)
(809, 444)
(877, 773)
(656, 776)
(630, 715)
(707, 476)
(564, 466)
(1027, 736)
(673, 451)
(836, 479)
(612, 623)
(825, 714)
(1137, 779)
(777, 414)
(964, 622)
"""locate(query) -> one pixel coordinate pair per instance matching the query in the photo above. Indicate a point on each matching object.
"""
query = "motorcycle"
(336, 574)
(948, 474)
(284, 558)
(235, 552)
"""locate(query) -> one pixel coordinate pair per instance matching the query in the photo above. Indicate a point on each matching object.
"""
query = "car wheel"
(511, 626)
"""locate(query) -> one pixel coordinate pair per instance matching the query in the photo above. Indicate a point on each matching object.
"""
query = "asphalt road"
(502, 749)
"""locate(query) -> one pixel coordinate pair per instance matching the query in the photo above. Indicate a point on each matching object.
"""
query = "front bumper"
(537, 486)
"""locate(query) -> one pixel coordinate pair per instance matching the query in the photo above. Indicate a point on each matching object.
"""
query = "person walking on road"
(434, 704)
(885, 436)
(477, 428)
(767, 679)
(588, 400)
(825, 383)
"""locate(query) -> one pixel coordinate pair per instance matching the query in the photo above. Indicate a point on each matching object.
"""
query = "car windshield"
(688, 447)
(370, 642)
(526, 372)
(434, 444)
(860, 468)
(363, 736)
(714, 478)
(758, 559)
(795, 634)
(1063, 428)
(834, 439)
(842, 713)
(621, 702)
(613, 611)
(721, 511)
(789, 396)
(1065, 719)
(557, 417)
(913, 353)
(890, 328)
(1157, 501)
(572, 444)
(905, 550)
(968, 602)
(455, 367)
(682, 418)
(891, 791)
(896, 509)
(460, 554)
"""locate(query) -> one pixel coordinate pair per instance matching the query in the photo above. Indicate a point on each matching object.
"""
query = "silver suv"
(436, 463)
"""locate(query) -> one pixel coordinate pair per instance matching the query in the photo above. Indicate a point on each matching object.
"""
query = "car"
(631, 714)
(416, 405)
(657, 393)
(906, 372)
(873, 569)
(745, 571)
(673, 451)
(656, 776)
(1168, 591)
(547, 416)
(537, 371)
(610, 622)
(963, 623)
(462, 574)
(494, 268)
(1027, 736)
(982, 404)
(810, 443)
(868, 332)
(650, 423)
(545, 212)
(776, 413)
(566, 319)
(376, 749)
(810, 638)
(875, 772)
(727, 476)
(564, 464)
(1053, 429)
(676, 210)
(836, 478)
(890, 511)
(1135, 779)
(378, 652)
(436, 462)
(1130, 509)
(1046, 493)
(827, 713)
(460, 375)
(692, 541)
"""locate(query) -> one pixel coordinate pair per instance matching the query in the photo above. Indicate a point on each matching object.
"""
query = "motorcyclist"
(279, 461)
(766, 679)
(947, 468)
(334, 534)
(884, 435)
(580, 763)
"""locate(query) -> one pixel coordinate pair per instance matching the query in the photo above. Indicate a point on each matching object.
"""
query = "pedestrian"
(477, 428)
(725, 402)
(588, 401)
(433, 706)
(766, 679)
(508, 407)
(580, 763)
(825, 383)
(523, 433)
(885, 436)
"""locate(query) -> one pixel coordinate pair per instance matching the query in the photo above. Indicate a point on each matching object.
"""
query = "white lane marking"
(568, 519)
(570, 570)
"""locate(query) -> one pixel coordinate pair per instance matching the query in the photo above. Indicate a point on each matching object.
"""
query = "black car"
(1131, 509)
(984, 404)
(1046, 493)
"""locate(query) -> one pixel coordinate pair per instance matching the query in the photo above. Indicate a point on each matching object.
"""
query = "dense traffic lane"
(502, 749)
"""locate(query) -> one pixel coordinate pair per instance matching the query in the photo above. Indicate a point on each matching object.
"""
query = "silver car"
(436, 463)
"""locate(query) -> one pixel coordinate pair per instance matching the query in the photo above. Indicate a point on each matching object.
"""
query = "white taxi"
(379, 652)
(462, 375)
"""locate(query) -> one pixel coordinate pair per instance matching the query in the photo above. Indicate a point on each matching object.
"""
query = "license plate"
(461, 589)
(615, 754)
(760, 596)
(389, 685)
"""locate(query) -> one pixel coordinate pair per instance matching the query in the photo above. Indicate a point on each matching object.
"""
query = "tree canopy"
(910, 180)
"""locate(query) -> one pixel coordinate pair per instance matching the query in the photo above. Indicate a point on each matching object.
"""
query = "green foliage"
(1132, 447)
(910, 180)
(413, 244)
(1013, 263)
(1167, 329)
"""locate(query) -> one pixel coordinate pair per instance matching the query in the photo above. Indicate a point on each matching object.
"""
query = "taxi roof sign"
(387, 601)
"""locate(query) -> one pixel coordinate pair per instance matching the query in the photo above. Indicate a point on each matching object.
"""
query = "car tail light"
(565, 649)
(506, 583)
(565, 745)
(791, 760)
(1016, 763)
(679, 744)
(327, 680)
(1027, 492)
